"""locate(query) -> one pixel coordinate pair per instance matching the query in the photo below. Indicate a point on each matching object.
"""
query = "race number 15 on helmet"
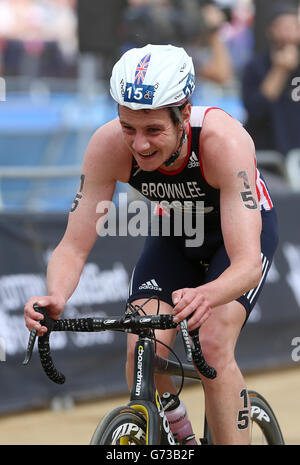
(152, 77)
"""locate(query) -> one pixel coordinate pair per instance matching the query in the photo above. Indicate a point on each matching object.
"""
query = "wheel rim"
(257, 436)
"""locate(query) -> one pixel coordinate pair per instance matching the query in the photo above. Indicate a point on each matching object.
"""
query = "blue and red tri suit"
(166, 263)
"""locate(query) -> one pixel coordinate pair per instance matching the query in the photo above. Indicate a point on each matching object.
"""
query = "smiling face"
(151, 135)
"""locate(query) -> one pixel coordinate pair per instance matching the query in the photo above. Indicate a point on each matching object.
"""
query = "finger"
(193, 322)
(177, 296)
(43, 301)
(189, 302)
(205, 317)
(195, 319)
(193, 326)
(32, 324)
(31, 313)
(185, 312)
(198, 320)
(186, 299)
(33, 319)
(41, 331)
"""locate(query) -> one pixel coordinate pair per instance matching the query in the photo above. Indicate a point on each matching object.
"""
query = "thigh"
(162, 269)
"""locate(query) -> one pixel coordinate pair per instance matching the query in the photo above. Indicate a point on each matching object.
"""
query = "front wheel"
(264, 427)
(121, 426)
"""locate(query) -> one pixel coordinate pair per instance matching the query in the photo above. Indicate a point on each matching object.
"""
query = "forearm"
(63, 272)
(219, 68)
(236, 280)
(274, 83)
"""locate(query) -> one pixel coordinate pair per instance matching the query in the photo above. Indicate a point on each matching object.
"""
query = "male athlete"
(197, 159)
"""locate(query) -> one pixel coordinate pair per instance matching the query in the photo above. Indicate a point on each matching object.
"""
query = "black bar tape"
(157, 322)
(198, 357)
(47, 362)
(78, 325)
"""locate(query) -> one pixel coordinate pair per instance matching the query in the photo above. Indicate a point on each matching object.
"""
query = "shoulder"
(108, 138)
(107, 151)
(218, 123)
(224, 145)
(197, 115)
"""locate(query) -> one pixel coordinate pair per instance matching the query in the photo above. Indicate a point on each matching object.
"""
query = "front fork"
(144, 397)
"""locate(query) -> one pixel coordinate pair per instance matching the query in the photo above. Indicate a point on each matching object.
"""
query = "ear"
(186, 115)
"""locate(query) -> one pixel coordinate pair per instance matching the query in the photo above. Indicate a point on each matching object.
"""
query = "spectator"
(189, 24)
(146, 21)
(267, 90)
(39, 37)
(210, 54)
(238, 35)
(59, 26)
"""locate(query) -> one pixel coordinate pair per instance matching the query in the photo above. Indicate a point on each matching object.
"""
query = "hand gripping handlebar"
(127, 323)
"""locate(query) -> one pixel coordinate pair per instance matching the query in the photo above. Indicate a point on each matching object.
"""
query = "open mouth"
(148, 155)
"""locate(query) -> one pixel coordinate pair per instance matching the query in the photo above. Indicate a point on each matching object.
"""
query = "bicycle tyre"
(263, 417)
(121, 426)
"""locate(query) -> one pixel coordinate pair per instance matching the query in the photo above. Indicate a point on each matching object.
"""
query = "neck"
(181, 157)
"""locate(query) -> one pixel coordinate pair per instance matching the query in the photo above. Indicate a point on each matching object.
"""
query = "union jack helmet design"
(152, 77)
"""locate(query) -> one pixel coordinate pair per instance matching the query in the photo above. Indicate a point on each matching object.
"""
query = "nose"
(140, 143)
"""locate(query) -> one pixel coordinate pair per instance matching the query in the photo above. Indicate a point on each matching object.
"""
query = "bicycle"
(143, 421)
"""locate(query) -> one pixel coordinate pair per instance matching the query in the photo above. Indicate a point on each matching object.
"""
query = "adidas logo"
(193, 162)
(151, 285)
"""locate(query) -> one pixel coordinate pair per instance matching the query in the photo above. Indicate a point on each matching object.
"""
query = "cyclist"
(171, 151)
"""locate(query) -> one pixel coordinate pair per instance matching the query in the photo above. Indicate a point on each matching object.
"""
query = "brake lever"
(32, 336)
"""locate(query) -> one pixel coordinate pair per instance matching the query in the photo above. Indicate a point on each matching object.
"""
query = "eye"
(127, 128)
(154, 130)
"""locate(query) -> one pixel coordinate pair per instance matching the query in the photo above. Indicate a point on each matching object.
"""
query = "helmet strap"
(183, 139)
(175, 155)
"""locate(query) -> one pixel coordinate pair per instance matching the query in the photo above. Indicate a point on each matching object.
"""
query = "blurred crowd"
(216, 34)
(40, 38)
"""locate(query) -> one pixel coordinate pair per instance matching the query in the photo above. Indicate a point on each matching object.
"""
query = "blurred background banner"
(55, 62)
(266, 340)
(94, 363)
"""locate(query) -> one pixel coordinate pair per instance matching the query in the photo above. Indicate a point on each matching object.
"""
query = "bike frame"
(144, 396)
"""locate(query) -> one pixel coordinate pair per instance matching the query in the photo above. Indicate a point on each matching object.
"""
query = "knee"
(131, 341)
(218, 350)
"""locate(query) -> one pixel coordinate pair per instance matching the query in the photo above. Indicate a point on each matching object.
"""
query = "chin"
(149, 165)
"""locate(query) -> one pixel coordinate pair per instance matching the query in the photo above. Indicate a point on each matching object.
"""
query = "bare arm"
(228, 161)
(283, 63)
(231, 168)
(218, 68)
(99, 174)
(68, 259)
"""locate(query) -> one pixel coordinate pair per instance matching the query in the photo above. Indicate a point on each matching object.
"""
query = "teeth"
(146, 154)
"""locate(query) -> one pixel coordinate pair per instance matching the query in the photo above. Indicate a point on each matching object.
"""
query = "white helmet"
(152, 77)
